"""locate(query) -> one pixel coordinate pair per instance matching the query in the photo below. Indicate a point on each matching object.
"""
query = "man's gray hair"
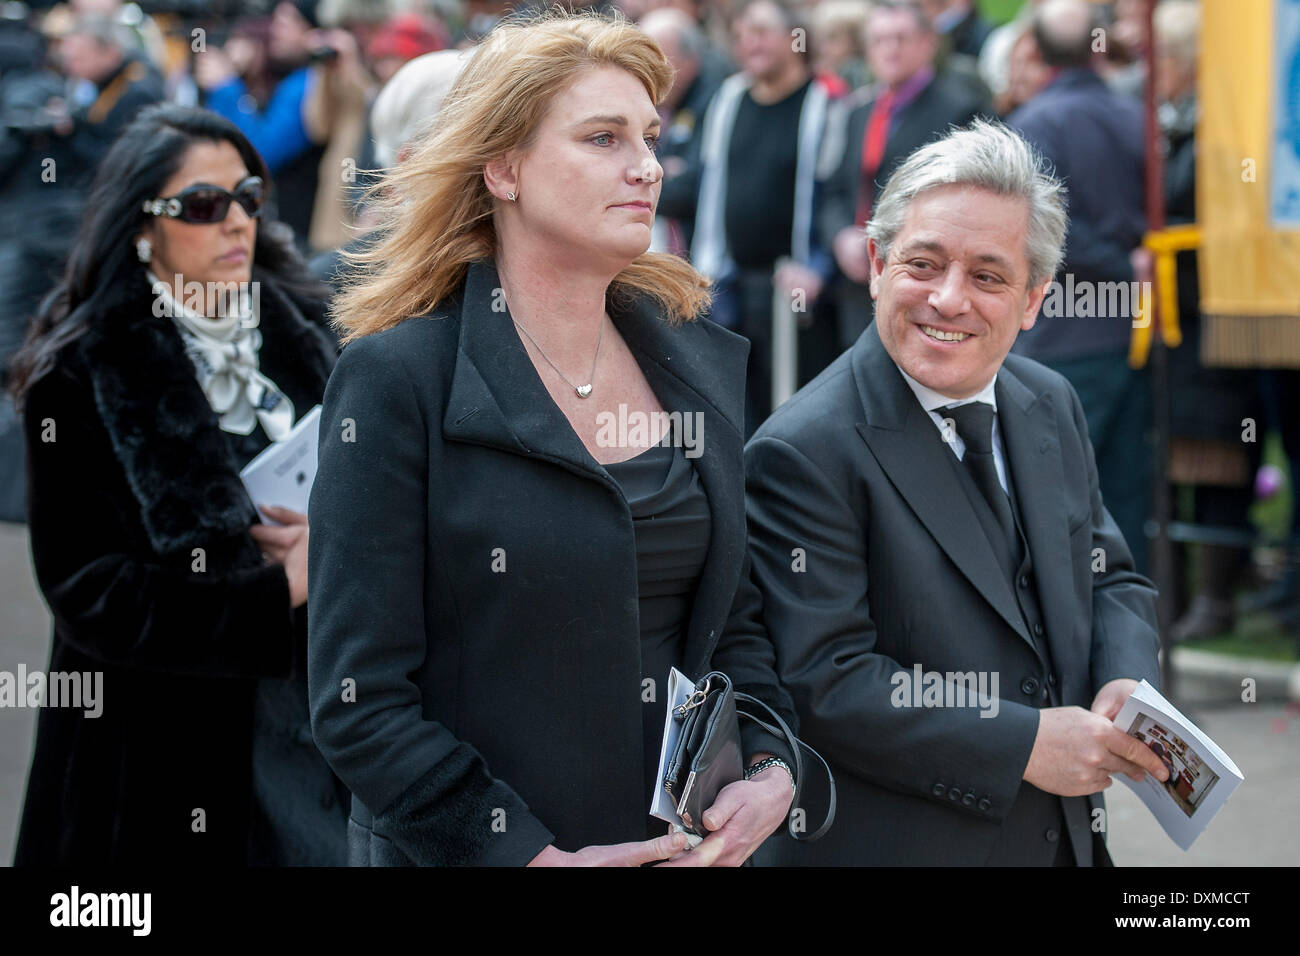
(105, 31)
(986, 156)
(919, 18)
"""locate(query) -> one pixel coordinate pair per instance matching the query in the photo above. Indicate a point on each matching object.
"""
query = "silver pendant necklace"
(582, 390)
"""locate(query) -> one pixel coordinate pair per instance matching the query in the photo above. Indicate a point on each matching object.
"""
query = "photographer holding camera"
(299, 93)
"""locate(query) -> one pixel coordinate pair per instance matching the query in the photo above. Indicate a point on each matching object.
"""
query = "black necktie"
(975, 426)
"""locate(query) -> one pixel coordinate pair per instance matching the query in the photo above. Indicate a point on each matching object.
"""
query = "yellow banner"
(1249, 268)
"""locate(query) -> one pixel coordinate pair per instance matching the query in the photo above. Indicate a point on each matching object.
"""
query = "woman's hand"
(617, 854)
(745, 814)
(287, 546)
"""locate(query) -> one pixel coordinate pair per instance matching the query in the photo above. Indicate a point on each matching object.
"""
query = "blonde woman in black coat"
(140, 405)
(501, 576)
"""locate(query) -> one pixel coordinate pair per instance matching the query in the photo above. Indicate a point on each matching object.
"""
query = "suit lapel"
(911, 452)
(1030, 440)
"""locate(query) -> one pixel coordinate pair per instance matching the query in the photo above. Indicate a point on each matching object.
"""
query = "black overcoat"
(128, 474)
(474, 652)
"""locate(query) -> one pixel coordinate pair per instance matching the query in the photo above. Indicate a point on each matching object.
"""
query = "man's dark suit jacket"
(871, 560)
(945, 102)
(679, 195)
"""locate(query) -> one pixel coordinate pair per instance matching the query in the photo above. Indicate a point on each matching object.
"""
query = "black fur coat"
(139, 535)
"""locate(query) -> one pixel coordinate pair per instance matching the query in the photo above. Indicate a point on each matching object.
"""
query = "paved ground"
(1260, 825)
(24, 638)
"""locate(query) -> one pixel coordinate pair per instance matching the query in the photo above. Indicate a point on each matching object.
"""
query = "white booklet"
(662, 806)
(282, 474)
(1202, 776)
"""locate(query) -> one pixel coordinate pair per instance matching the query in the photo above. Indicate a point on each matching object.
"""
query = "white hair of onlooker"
(1178, 27)
(407, 106)
(345, 13)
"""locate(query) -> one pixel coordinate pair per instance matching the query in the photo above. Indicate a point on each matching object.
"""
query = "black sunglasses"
(208, 204)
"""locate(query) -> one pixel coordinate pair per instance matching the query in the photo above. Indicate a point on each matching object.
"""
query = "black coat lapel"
(162, 430)
(911, 452)
(497, 399)
(1033, 449)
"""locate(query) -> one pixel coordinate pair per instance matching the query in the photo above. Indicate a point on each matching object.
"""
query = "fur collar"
(178, 462)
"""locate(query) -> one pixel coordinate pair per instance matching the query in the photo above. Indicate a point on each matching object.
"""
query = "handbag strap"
(782, 730)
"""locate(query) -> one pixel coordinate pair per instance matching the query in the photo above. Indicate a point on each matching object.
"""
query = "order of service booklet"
(1202, 776)
(283, 472)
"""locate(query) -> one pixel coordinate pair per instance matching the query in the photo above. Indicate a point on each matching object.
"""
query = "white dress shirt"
(931, 401)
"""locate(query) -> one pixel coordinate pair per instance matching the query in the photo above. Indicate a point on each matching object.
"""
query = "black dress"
(670, 517)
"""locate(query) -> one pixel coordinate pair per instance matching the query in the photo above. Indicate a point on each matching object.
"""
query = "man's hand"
(793, 277)
(1143, 263)
(745, 814)
(851, 254)
(1112, 696)
(1076, 751)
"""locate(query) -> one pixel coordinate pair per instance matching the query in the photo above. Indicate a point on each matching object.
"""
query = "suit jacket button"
(984, 804)
(1024, 581)
(939, 790)
(968, 799)
(1029, 687)
(1051, 835)
(1038, 629)
(954, 794)
(1051, 679)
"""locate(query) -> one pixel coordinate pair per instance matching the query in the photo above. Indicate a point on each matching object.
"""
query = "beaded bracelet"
(771, 762)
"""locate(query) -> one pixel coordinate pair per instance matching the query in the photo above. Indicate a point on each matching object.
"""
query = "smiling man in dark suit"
(925, 521)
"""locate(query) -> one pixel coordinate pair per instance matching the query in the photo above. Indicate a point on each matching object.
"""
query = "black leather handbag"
(707, 756)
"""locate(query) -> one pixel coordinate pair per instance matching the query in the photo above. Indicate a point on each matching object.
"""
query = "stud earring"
(510, 196)
(143, 251)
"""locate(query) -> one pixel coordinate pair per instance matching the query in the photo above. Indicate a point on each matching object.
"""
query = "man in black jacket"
(48, 154)
(700, 70)
(105, 54)
(1093, 137)
(955, 612)
(910, 105)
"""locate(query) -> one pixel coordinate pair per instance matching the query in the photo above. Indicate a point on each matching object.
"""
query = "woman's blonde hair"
(435, 209)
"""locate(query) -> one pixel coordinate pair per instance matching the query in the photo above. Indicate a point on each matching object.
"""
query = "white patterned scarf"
(224, 353)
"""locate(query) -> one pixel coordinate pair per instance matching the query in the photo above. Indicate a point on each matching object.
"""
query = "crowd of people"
(780, 155)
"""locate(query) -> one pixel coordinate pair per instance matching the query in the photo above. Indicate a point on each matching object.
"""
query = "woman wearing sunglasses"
(500, 584)
(182, 339)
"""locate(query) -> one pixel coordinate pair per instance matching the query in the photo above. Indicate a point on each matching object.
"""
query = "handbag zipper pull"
(693, 701)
